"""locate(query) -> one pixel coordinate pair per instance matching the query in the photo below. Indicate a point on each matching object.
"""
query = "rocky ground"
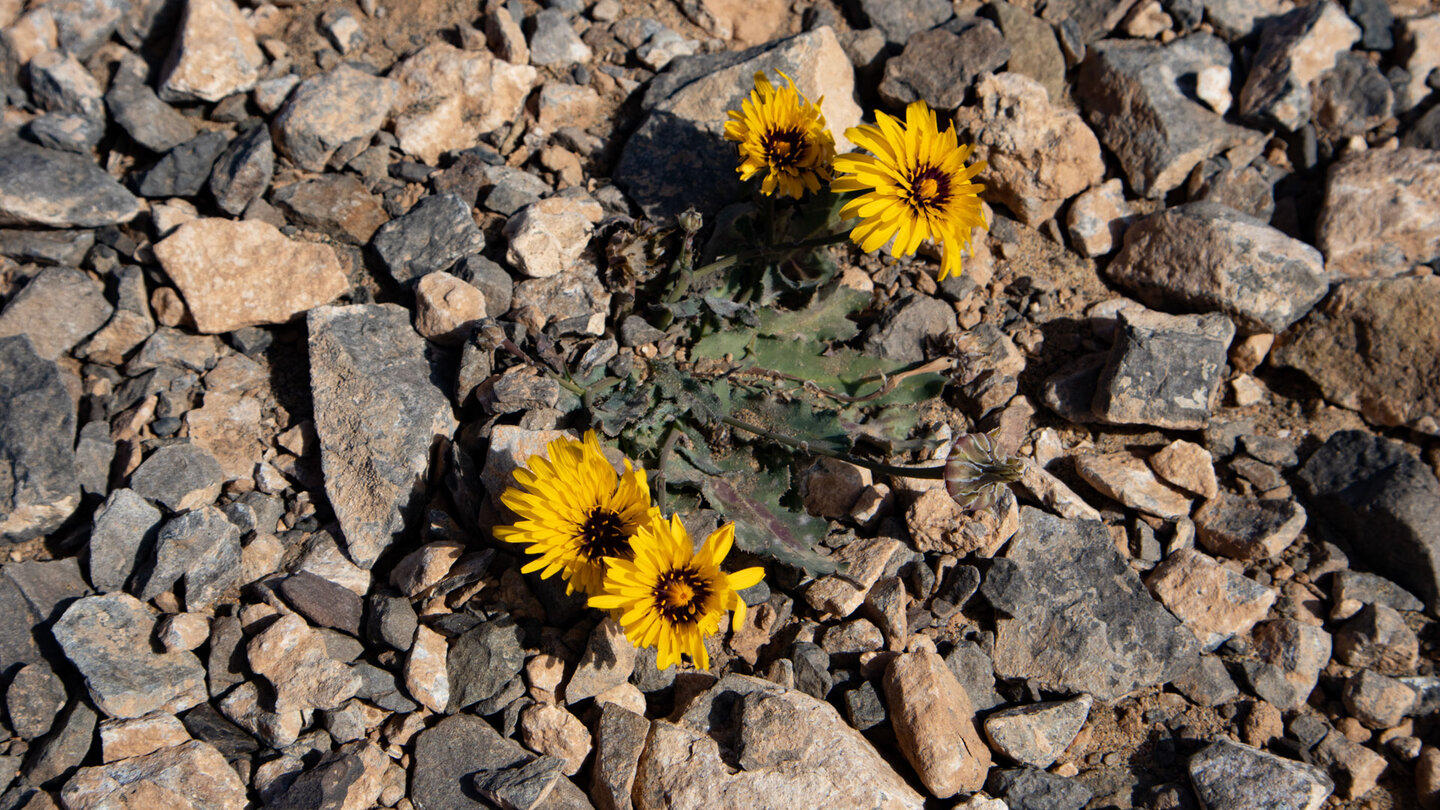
(274, 278)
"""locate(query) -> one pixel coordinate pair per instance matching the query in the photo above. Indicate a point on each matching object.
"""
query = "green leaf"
(819, 427)
(765, 528)
(824, 319)
(707, 401)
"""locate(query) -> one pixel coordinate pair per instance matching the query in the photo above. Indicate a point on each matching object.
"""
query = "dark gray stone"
(378, 412)
(255, 513)
(148, 121)
(938, 66)
(324, 785)
(433, 235)
(513, 190)
(32, 311)
(619, 739)
(554, 41)
(483, 660)
(178, 476)
(226, 663)
(1164, 370)
(959, 585)
(183, 171)
(1425, 132)
(1377, 638)
(865, 707)
(94, 453)
(337, 205)
(1207, 683)
(201, 550)
(1094, 18)
(322, 602)
(1384, 501)
(489, 278)
(1376, 23)
(82, 26)
(242, 172)
(522, 787)
(53, 759)
(34, 699)
(812, 670)
(1070, 391)
(1032, 48)
(1034, 789)
(1370, 589)
(381, 687)
(449, 754)
(976, 672)
(207, 724)
(1207, 257)
(902, 336)
(1351, 98)
(1079, 619)
(1247, 189)
(1290, 656)
(1133, 96)
(121, 535)
(33, 594)
(391, 621)
(67, 132)
(1237, 777)
(46, 247)
(38, 489)
(899, 20)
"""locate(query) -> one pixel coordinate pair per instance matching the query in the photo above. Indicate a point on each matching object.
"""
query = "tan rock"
(183, 631)
(747, 22)
(1355, 768)
(215, 54)
(1039, 156)
(1053, 493)
(544, 673)
(1128, 480)
(1186, 465)
(1381, 213)
(292, 657)
(447, 308)
(505, 36)
(1247, 353)
(937, 523)
(566, 105)
(1294, 52)
(626, 695)
(247, 273)
(32, 34)
(547, 237)
(549, 729)
(229, 426)
(448, 98)
(1420, 39)
(1247, 529)
(123, 739)
(1098, 218)
(934, 724)
(426, 677)
(865, 560)
(1427, 778)
(1212, 601)
(425, 566)
(189, 775)
(607, 662)
(755, 632)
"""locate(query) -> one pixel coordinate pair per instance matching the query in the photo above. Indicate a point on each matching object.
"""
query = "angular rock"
(524, 786)
(1126, 479)
(107, 638)
(1098, 218)
(620, 737)
(242, 705)
(573, 302)
(1164, 370)
(33, 700)
(482, 661)
(33, 593)
(328, 110)
(199, 550)
(1381, 214)
(865, 561)
(1291, 656)
(1377, 638)
(1248, 529)
(375, 456)
(426, 677)
(237, 274)
(59, 83)
(179, 477)
(902, 336)
(1294, 50)
(148, 121)
(57, 189)
(1377, 701)
(1214, 602)
(547, 237)
(136, 737)
(336, 205)
(554, 42)
(678, 156)
(938, 66)
(37, 430)
(1037, 734)
(32, 311)
(1135, 98)
(899, 20)
(182, 171)
(431, 236)
(1230, 775)
(191, 775)
(323, 602)
(1038, 155)
(793, 750)
(1351, 99)
(292, 657)
(1206, 257)
(1031, 787)
(242, 172)
(448, 98)
(214, 54)
(351, 776)
(1355, 768)
(129, 325)
(448, 754)
(1418, 37)
(934, 724)
(1079, 619)
(1352, 590)
(608, 660)
(1186, 465)
(1034, 50)
(55, 757)
(552, 731)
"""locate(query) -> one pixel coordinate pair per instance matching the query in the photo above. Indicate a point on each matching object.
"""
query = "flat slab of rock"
(291, 655)
(1080, 620)
(448, 98)
(1237, 777)
(329, 109)
(377, 414)
(37, 436)
(1373, 346)
(235, 274)
(107, 638)
(793, 751)
(679, 157)
(1134, 96)
(1207, 257)
(1037, 734)
(1163, 370)
(56, 289)
(1382, 213)
(432, 236)
(1128, 480)
(1246, 528)
(40, 186)
(200, 549)
(1214, 602)
(449, 753)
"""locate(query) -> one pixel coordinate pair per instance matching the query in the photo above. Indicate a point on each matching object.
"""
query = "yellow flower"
(577, 512)
(918, 186)
(781, 133)
(670, 596)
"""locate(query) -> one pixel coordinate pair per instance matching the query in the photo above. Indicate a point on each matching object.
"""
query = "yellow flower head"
(918, 186)
(670, 596)
(781, 133)
(577, 512)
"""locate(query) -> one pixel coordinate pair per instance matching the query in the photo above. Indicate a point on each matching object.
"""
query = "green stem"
(774, 250)
(671, 435)
(934, 473)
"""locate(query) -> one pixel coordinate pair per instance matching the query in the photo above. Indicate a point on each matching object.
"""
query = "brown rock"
(425, 566)
(426, 677)
(934, 724)
(1419, 36)
(608, 660)
(448, 98)
(334, 204)
(1427, 777)
(549, 729)
(1377, 638)
(1291, 655)
(292, 657)
(566, 105)
(1248, 529)
(247, 273)
(1294, 51)
(1098, 218)
(938, 523)
(1039, 156)
(841, 594)
(229, 426)
(505, 36)
(189, 775)
(1186, 465)
(619, 740)
(1126, 479)
(1262, 724)
(1377, 701)
(1214, 602)
(1247, 353)
(1382, 212)
(446, 308)
(831, 487)
(1355, 768)
(124, 739)
(215, 54)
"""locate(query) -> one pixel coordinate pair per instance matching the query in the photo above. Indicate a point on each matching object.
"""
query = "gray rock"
(1079, 619)
(1385, 501)
(1207, 257)
(482, 661)
(865, 708)
(179, 477)
(107, 638)
(1070, 391)
(56, 289)
(381, 687)
(1425, 132)
(1376, 23)
(46, 247)
(56, 757)
(201, 550)
(939, 66)
(1207, 683)
(1351, 98)
(619, 739)
(1164, 370)
(489, 278)
(1092, 18)
(1038, 733)
(902, 337)
(1377, 638)
(328, 110)
(59, 83)
(352, 775)
(1358, 587)
(243, 170)
(121, 536)
(192, 772)
(1237, 777)
(31, 594)
(67, 132)
(522, 787)
(323, 602)
(433, 235)
(1247, 528)
(1294, 49)
(1291, 656)
(1034, 789)
(899, 20)
(377, 415)
(183, 171)
(1248, 189)
(1377, 701)
(812, 670)
(391, 621)
(1033, 48)
(554, 42)
(976, 672)
(448, 754)
(82, 26)
(129, 325)
(225, 664)
(1132, 92)
(148, 121)
(337, 205)
(37, 430)
(513, 190)
(33, 700)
